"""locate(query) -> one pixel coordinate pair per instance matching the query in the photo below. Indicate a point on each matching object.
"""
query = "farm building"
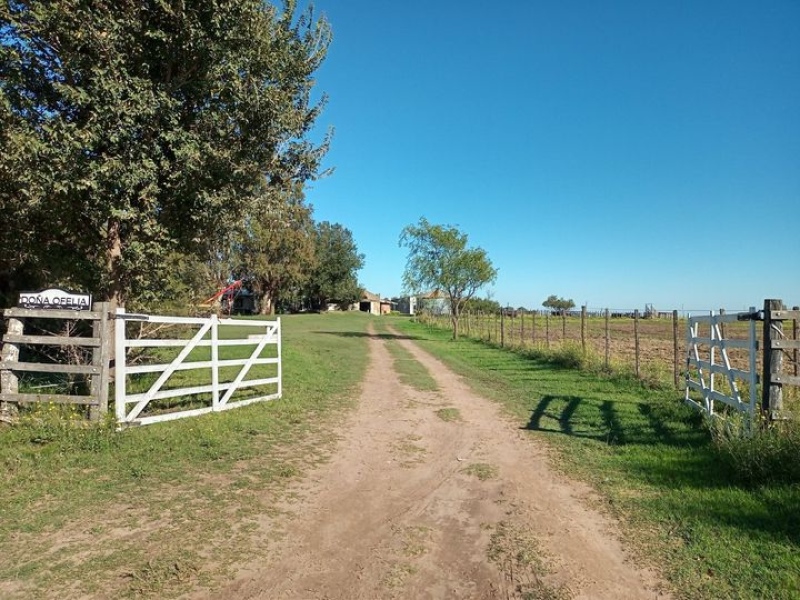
(434, 302)
(370, 303)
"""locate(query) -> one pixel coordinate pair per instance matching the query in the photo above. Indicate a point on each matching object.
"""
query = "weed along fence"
(163, 367)
(221, 364)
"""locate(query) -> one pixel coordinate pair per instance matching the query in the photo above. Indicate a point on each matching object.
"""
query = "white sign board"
(55, 298)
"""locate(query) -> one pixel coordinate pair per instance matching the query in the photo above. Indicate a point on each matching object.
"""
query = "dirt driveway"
(414, 505)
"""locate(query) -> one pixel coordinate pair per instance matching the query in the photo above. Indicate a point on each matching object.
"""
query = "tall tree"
(277, 249)
(335, 276)
(137, 127)
(439, 259)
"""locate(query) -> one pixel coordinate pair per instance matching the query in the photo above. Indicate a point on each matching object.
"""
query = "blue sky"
(615, 153)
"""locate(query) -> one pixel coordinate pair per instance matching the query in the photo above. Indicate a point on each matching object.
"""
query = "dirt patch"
(412, 505)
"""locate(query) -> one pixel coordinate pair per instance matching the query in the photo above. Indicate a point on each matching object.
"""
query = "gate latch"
(751, 316)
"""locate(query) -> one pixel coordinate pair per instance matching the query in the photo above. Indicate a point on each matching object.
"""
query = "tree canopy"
(134, 130)
(439, 259)
(335, 275)
(559, 305)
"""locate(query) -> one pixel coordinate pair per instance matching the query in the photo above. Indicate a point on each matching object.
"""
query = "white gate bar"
(194, 412)
(245, 402)
(204, 364)
(120, 363)
(215, 365)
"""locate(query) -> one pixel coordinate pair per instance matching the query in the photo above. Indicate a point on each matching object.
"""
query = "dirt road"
(418, 502)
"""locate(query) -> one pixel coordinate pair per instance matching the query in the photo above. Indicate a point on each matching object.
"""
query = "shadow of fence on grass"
(617, 423)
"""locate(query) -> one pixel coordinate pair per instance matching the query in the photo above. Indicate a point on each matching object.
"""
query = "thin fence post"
(675, 374)
(502, 328)
(772, 390)
(522, 329)
(9, 383)
(533, 328)
(608, 338)
(794, 337)
(583, 328)
(563, 327)
(722, 324)
(547, 329)
(636, 342)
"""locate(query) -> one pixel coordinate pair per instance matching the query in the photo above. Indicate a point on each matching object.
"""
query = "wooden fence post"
(533, 328)
(794, 337)
(522, 329)
(9, 383)
(722, 325)
(583, 328)
(502, 328)
(608, 338)
(636, 341)
(547, 329)
(771, 389)
(563, 327)
(101, 358)
(675, 373)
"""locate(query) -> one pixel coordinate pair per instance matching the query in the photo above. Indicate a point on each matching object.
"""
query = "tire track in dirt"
(396, 513)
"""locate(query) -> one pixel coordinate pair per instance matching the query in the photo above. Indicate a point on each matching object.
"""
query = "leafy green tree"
(134, 129)
(439, 259)
(334, 278)
(559, 305)
(277, 249)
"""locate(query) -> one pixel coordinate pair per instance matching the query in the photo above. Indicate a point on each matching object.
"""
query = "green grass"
(411, 372)
(654, 464)
(88, 510)
(449, 414)
(482, 471)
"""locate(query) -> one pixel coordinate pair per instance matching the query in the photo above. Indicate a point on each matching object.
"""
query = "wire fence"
(653, 345)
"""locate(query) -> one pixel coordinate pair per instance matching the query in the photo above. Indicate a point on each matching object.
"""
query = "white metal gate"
(708, 357)
(166, 397)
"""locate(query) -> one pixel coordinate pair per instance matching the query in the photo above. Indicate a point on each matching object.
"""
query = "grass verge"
(90, 512)
(653, 461)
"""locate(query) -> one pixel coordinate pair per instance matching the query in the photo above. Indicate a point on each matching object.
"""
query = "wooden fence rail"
(97, 371)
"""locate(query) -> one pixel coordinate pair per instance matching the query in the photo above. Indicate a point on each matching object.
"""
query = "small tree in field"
(438, 259)
(559, 305)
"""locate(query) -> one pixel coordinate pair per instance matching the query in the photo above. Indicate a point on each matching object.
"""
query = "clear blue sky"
(615, 153)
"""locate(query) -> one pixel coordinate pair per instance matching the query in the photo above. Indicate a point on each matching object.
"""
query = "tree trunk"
(115, 293)
(265, 304)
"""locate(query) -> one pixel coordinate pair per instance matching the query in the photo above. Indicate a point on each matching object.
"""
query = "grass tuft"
(449, 414)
